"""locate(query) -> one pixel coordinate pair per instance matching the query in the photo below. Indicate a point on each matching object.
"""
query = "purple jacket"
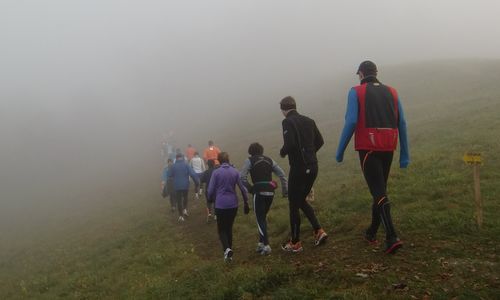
(222, 187)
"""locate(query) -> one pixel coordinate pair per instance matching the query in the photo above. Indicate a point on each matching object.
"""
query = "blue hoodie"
(180, 171)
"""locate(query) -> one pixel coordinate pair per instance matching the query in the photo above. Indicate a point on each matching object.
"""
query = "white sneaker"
(228, 255)
(181, 219)
(266, 250)
(185, 212)
(259, 248)
(196, 196)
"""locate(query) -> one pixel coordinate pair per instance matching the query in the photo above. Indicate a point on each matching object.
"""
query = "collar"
(369, 78)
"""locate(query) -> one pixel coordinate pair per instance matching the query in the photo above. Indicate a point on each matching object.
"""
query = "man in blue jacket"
(375, 115)
(180, 173)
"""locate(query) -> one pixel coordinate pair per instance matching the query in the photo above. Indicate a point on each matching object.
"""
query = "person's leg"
(178, 197)
(308, 180)
(231, 216)
(222, 227)
(374, 176)
(261, 207)
(295, 190)
(185, 199)
(385, 206)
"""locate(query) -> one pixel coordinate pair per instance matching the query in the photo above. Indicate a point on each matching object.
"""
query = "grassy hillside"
(136, 249)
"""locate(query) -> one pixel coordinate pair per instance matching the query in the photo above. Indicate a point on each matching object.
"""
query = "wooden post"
(475, 160)
(477, 196)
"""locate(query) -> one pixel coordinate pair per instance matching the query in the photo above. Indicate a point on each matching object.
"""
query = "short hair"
(196, 153)
(255, 149)
(210, 143)
(189, 145)
(169, 160)
(223, 157)
(288, 103)
(178, 155)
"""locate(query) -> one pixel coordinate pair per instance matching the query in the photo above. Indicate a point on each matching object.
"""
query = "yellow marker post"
(474, 159)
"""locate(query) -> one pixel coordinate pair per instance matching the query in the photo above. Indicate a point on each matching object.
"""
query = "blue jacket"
(351, 118)
(180, 171)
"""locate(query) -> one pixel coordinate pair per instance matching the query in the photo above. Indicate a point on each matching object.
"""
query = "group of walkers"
(374, 115)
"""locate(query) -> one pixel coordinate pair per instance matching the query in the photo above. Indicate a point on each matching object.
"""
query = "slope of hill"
(136, 249)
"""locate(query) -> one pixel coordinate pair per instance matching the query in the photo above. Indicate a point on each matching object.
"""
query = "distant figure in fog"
(180, 173)
(375, 115)
(211, 152)
(190, 150)
(222, 188)
(198, 166)
(205, 179)
(167, 185)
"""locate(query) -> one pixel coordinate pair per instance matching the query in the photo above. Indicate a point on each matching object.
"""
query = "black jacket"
(302, 140)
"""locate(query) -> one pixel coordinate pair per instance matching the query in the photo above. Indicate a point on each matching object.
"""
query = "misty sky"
(85, 85)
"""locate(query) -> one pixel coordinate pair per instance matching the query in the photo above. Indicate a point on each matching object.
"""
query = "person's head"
(179, 156)
(178, 150)
(196, 153)
(169, 161)
(287, 104)
(366, 69)
(210, 143)
(189, 146)
(223, 157)
(255, 149)
(211, 163)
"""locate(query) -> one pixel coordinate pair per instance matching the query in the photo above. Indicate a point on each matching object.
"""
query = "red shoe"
(320, 237)
(291, 247)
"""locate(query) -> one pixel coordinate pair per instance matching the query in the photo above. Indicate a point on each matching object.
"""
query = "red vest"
(382, 135)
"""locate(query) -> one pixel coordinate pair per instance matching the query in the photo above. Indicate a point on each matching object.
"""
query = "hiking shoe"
(181, 219)
(259, 248)
(185, 212)
(266, 250)
(228, 255)
(371, 238)
(291, 247)
(392, 245)
(320, 237)
(208, 218)
(215, 217)
(196, 196)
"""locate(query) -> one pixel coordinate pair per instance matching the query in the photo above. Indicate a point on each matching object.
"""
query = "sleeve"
(203, 168)
(351, 118)
(281, 174)
(244, 175)
(318, 138)
(164, 175)
(242, 189)
(288, 138)
(404, 155)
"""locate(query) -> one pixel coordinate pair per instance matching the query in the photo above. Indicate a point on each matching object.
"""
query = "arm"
(351, 118)
(281, 174)
(243, 190)
(203, 168)
(164, 177)
(288, 138)
(318, 138)
(404, 155)
(194, 176)
(211, 186)
(244, 175)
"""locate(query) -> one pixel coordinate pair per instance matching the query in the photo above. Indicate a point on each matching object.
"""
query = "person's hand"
(339, 158)
(404, 164)
(246, 208)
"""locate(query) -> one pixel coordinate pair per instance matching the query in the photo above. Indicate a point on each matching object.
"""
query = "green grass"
(137, 250)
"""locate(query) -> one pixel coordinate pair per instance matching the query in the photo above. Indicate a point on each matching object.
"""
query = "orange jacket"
(211, 153)
(190, 152)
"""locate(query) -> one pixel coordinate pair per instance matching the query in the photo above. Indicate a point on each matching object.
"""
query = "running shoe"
(181, 219)
(196, 196)
(209, 216)
(185, 213)
(392, 245)
(228, 255)
(291, 247)
(371, 238)
(259, 248)
(320, 237)
(266, 250)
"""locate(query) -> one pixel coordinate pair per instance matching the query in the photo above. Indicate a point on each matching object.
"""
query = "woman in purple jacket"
(222, 188)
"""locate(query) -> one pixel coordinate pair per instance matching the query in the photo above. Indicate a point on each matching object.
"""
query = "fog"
(88, 88)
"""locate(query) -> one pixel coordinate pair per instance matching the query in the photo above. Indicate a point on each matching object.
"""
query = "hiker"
(198, 167)
(375, 115)
(167, 187)
(222, 188)
(261, 169)
(211, 152)
(205, 179)
(302, 140)
(180, 173)
(178, 153)
(190, 150)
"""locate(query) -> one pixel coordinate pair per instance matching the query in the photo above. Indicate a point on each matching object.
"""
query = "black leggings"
(225, 221)
(182, 199)
(376, 166)
(300, 182)
(261, 205)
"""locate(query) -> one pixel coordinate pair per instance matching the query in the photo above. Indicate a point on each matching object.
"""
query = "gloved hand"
(246, 208)
(339, 157)
(403, 164)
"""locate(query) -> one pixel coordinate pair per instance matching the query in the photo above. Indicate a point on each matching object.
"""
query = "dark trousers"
(182, 198)
(376, 166)
(261, 205)
(225, 221)
(300, 182)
